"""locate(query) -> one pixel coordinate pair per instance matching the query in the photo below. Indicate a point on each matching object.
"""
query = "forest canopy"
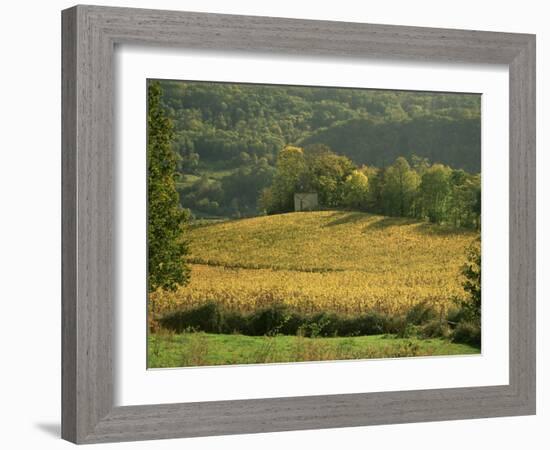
(236, 142)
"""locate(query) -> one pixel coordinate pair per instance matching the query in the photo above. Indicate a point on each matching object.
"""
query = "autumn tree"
(166, 247)
(399, 188)
(328, 173)
(356, 190)
(290, 177)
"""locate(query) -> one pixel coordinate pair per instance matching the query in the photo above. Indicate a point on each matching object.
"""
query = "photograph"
(291, 224)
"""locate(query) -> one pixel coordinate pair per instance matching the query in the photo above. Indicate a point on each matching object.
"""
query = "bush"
(408, 330)
(395, 324)
(278, 319)
(268, 321)
(467, 333)
(435, 328)
(205, 318)
(421, 313)
(457, 315)
(364, 325)
(234, 323)
(318, 325)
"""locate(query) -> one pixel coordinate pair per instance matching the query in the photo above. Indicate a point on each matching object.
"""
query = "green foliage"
(166, 218)
(421, 313)
(472, 281)
(327, 175)
(206, 317)
(465, 199)
(467, 333)
(279, 319)
(356, 190)
(434, 192)
(219, 120)
(398, 191)
(291, 176)
(255, 146)
(466, 319)
(424, 321)
(319, 170)
(225, 130)
(436, 328)
(241, 187)
(379, 141)
(266, 201)
(167, 349)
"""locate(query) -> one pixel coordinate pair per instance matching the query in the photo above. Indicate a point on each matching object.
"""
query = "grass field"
(201, 349)
(344, 262)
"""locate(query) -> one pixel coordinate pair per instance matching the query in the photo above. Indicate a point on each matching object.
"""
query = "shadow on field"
(425, 228)
(342, 218)
(430, 229)
(388, 222)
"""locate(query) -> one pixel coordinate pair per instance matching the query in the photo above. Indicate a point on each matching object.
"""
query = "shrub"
(395, 324)
(409, 330)
(205, 318)
(235, 323)
(329, 324)
(317, 325)
(279, 319)
(366, 324)
(457, 315)
(421, 313)
(268, 321)
(467, 333)
(435, 328)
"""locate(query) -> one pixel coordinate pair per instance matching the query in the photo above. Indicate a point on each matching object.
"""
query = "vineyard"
(384, 262)
(325, 261)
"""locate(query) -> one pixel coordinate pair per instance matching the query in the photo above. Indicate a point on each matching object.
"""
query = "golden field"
(346, 262)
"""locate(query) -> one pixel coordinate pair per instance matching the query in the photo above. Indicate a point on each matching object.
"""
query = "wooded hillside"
(228, 139)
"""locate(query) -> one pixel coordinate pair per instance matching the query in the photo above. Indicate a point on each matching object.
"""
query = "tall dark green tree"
(472, 280)
(166, 218)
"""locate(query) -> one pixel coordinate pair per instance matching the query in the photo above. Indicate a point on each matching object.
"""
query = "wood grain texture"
(89, 36)
(68, 226)
(523, 224)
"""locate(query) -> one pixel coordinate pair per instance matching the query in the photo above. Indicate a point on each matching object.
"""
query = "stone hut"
(306, 201)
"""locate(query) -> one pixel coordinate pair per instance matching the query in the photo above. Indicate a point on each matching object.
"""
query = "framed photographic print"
(268, 222)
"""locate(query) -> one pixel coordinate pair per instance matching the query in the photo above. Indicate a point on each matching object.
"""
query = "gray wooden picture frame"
(90, 34)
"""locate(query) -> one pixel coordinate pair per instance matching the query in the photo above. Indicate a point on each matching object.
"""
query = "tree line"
(416, 188)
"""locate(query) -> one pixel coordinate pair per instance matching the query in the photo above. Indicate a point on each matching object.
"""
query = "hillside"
(228, 137)
(229, 121)
(326, 260)
(326, 241)
(452, 142)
